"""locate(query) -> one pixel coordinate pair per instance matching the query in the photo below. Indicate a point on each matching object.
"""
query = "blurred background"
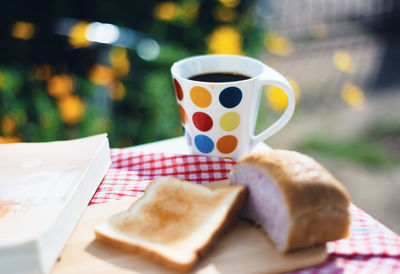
(72, 68)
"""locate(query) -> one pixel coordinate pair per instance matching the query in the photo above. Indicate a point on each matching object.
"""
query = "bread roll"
(295, 199)
(174, 221)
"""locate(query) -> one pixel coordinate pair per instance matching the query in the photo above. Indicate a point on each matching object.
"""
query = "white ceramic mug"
(219, 117)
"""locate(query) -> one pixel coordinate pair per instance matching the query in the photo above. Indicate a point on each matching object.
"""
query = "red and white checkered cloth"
(371, 247)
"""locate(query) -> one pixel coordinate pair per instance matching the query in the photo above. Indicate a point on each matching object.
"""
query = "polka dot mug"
(219, 117)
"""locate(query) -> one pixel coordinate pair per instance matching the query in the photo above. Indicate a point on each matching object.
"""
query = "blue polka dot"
(203, 143)
(230, 97)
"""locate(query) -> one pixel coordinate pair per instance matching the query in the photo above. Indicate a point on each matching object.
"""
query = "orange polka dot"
(200, 96)
(227, 144)
(182, 113)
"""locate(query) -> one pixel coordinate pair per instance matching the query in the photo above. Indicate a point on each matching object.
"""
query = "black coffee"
(219, 77)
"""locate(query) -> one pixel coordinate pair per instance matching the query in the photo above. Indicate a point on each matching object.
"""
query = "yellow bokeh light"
(166, 11)
(71, 109)
(343, 61)
(278, 45)
(77, 35)
(276, 97)
(8, 140)
(117, 92)
(225, 40)
(119, 61)
(353, 96)
(8, 125)
(23, 30)
(60, 85)
(230, 3)
(43, 72)
(224, 14)
(101, 75)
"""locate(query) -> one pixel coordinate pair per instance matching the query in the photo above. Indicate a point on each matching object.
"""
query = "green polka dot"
(229, 121)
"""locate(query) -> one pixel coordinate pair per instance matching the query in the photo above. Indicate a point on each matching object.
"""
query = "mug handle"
(273, 78)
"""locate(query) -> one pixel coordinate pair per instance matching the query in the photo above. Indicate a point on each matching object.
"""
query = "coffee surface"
(219, 77)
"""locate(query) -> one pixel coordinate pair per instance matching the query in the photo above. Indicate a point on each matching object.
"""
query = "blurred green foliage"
(348, 150)
(378, 146)
(59, 86)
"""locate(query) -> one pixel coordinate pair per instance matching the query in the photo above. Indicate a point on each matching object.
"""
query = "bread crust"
(241, 197)
(150, 254)
(316, 201)
(227, 221)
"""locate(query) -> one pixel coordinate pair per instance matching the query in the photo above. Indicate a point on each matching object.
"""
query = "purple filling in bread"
(296, 200)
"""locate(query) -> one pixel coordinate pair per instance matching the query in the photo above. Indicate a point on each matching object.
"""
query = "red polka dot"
(202, 121)
(227, 144)
(178, 90)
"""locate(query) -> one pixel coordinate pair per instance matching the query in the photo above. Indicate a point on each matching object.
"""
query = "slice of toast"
(174, 221)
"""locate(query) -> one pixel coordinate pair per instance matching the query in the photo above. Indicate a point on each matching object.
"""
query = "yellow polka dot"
(200, 96)
(229, 121)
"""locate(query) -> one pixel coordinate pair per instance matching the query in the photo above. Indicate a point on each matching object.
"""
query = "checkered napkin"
(131, 172)
(370, 248)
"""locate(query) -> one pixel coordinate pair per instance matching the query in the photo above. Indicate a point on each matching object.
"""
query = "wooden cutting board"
(242, 249)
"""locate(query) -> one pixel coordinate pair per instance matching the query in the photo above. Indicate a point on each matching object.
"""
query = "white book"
(44, 189)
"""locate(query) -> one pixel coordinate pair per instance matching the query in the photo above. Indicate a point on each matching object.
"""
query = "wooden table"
(371, 247)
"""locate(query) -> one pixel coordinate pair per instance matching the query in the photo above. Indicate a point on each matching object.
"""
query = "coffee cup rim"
(176, 73)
